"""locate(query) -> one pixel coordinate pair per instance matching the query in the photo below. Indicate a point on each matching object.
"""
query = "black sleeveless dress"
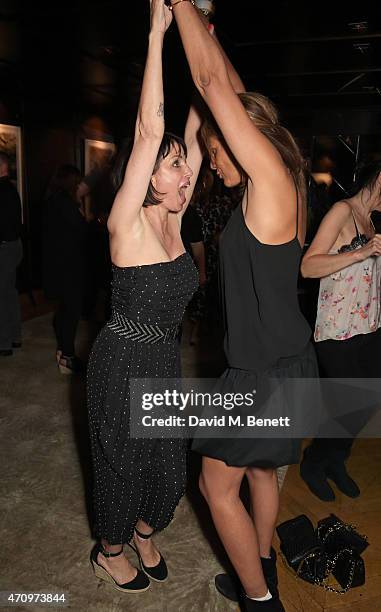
(136, 478)
(266, 336)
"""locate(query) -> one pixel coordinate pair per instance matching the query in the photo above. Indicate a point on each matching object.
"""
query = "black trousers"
(11, 254)
(67, 316)
(357, 357)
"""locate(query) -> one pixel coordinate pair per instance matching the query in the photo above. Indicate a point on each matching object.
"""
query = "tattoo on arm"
(160, 111)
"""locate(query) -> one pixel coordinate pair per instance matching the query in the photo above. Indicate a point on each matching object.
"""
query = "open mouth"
(183, 188)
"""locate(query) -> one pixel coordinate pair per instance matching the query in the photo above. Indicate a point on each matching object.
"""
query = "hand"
(161, 16)
(371, 248)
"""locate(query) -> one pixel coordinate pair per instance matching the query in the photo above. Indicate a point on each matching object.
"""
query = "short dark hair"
(367, 173)
(152, 196)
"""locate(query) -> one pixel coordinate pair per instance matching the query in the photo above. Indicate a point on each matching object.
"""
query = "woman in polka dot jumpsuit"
(139, 482)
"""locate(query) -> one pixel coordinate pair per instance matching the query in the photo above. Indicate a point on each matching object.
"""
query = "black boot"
(314, 475)
(230, 586)
(337, 472)
(250, 605)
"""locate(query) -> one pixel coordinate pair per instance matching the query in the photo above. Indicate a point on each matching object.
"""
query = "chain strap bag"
(333, 549)
(334, 534)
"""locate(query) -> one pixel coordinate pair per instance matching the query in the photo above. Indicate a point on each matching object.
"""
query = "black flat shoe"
(230, 587)
(6, 352)
(16, 345)
(315, 477)
(159, 572)
(272, 605)
(70, 365)
(339, 475)
(139, 584)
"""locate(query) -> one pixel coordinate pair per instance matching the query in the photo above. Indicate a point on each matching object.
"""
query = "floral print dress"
(350, 300)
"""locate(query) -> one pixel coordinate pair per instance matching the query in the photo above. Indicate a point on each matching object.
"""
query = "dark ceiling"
(63, 57)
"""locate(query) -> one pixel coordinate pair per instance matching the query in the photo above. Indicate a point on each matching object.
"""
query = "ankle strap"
(108, 554)
(144, 536)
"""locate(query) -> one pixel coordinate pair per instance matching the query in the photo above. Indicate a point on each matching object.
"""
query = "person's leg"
(116, 504)
(8, 266)
(264, 497)
(15, 300)
(70, 316)
(57, 326)
(220, 485)
(325, 456)
(165, 485)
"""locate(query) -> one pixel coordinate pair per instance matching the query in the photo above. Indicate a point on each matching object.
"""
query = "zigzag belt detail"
(141, 332)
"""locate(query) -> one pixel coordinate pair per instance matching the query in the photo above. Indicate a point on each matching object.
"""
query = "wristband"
(170, 6)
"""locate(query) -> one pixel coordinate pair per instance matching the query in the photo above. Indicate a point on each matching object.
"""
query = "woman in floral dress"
(346, 256)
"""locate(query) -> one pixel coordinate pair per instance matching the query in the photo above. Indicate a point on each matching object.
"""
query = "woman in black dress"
(266, 335)
(139, 482)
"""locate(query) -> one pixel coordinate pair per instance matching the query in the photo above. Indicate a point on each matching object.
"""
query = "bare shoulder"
(341, 209)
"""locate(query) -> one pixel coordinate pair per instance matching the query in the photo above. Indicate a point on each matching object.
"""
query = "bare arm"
(194, 120)
(318, 262)
(234, 77)
(149, 128)
(254, 152)
(194, 157)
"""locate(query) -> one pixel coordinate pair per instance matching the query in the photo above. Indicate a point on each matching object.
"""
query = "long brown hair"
(265, 116)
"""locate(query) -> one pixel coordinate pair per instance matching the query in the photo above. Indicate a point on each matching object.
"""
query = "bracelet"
(178, 2)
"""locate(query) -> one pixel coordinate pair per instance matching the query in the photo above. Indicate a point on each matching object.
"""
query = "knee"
(214, 495)
(256, 474)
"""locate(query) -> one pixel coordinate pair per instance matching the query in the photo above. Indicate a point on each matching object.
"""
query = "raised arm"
(234, 77)
(149, 127)
(194, 157)
(253, 151)
(194, 120)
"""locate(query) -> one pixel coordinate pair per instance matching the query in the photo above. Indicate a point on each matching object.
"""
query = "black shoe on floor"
(339, 475)
(159, 572)
(139, 584)
(315, 477)
(6, 352)
(16, 344)
(250, 605)
(230, 587)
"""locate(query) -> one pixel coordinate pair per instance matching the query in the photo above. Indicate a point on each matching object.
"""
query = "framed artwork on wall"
(98, 154)
(11, 144)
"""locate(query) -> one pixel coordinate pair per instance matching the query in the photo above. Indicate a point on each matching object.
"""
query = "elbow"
(305, 270)
(149, 132)
(207, 79)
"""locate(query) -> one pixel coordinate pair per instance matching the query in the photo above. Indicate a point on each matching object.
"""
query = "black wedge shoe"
(230, 587)
(139, 584)
(159, 572)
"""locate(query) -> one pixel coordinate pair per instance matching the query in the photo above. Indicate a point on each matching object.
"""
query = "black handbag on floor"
(301, 548)
(334, 534)
(349, 569)
(306, 552)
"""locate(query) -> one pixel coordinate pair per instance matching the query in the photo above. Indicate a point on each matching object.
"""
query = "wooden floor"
(365, 512)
